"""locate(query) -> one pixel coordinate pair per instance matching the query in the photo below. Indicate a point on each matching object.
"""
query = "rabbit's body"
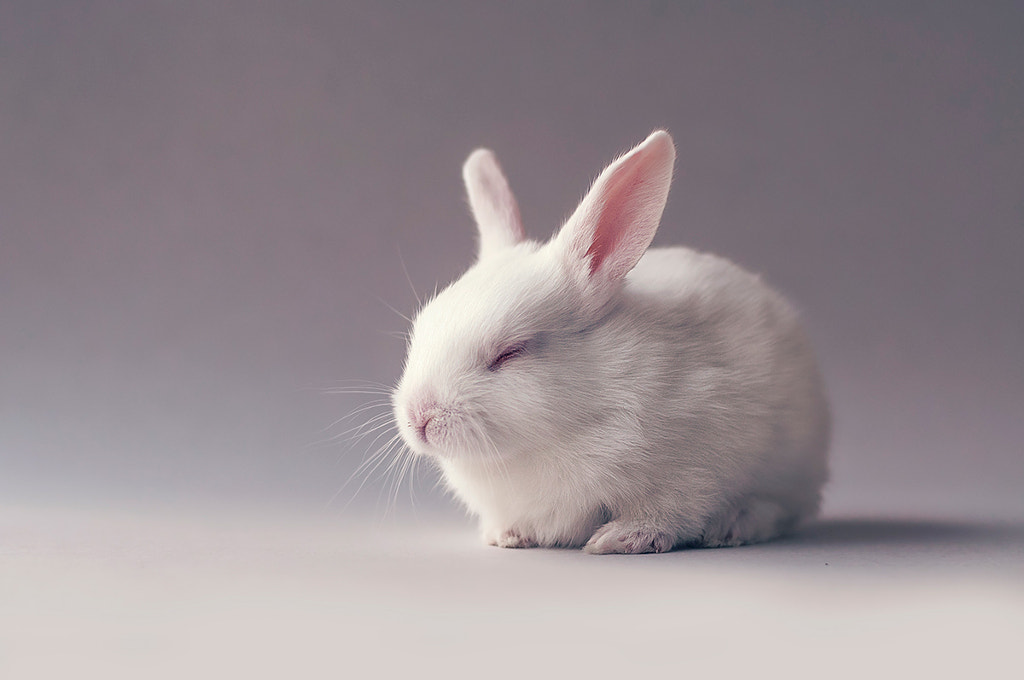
(674, 402)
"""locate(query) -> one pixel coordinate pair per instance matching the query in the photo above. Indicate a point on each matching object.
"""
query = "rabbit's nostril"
(421, 428)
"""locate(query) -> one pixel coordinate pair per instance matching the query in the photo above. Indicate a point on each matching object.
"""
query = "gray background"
(204, 208)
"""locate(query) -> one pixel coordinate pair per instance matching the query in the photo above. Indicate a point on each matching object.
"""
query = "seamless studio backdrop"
(205, 209)
(215, 214)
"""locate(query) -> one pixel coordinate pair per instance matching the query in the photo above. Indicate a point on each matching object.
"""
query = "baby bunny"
(591, 392)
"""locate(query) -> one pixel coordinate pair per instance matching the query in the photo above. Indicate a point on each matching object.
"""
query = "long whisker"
(405, 270)
(402, 471)
(355, 386)
(379, 403)
(360, 382)
(413, 483)
(390, 474)
(342, 386)
(360, 432)
(333, 391)
(357, 432)
(368, 467)
(406, 318)
(372, 461)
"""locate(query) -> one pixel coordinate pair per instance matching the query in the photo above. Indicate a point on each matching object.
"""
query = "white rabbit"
(583, 393)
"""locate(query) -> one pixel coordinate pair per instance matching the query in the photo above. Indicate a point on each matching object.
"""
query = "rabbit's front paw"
(510, 538)
(629, 537)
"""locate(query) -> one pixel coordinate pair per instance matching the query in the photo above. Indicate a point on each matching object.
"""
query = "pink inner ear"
(616, 215)
(616, 220)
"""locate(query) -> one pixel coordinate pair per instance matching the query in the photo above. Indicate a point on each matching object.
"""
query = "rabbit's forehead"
(476, 306)
(488, 305)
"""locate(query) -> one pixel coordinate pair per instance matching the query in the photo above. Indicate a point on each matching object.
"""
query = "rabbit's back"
(737, 389)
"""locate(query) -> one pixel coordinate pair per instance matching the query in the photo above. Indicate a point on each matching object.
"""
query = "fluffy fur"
(591, 392)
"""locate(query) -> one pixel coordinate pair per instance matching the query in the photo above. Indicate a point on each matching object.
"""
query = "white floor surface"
(161, 594)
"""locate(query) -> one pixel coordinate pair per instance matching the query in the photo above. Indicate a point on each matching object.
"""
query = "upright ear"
(616, 221)
(493, 205)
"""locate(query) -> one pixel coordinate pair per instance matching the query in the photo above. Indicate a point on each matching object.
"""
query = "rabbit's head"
(500, 362)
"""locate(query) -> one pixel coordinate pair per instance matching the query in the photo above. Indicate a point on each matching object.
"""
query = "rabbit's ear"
(616, 221)
(493, 205)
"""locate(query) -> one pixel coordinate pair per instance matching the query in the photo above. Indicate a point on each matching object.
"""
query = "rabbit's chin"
(475, 458)
(467, 455)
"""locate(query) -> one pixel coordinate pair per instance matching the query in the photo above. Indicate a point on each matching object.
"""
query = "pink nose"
(421, 412)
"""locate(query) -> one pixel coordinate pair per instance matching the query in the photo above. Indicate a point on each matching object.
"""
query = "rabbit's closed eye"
(506, 355)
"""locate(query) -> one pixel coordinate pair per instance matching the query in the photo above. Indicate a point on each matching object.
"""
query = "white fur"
(651, 401)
